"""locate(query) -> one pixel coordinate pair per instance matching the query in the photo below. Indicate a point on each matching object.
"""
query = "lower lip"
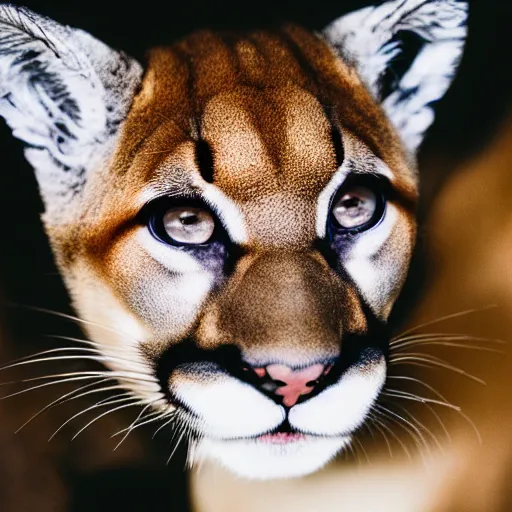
(282, 438)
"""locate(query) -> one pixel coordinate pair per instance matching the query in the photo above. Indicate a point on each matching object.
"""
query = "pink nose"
(295, 383)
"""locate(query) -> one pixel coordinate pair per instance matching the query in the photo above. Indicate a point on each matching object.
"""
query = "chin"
(264, 458)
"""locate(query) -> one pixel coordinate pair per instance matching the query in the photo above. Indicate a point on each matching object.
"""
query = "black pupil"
(187, 220)
(352, 202)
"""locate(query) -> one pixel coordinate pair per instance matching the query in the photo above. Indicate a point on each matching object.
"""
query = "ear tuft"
(426, 35)
(64, 94)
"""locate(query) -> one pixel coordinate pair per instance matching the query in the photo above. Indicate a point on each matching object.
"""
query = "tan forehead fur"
(182, 80)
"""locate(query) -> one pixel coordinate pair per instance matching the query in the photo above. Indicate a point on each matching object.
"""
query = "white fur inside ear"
(409, 105)
(64, 94)
(367, 39)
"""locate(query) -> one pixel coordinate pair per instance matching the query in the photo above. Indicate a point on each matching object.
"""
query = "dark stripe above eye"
(337, 142)
(204, 160)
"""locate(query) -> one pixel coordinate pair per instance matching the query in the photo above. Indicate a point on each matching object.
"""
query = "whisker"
(176, 446)
(126, 375)
(456, 409)
(460, 345)
(400, 442)
(121, 397)
(360, 444)
(44, 352)
(418, 381)
(414, 363)
(404, 423)
(408, 396)
(60, 381)
(59, 401)
(448, 317)
(433, 390)
(161, 427)
(421, 426)
(77, 377)
(445, 336)
(443, 426)
(433, 341)
(473, 426)
(98, 359)
(80, 350)
(355, 455)
(100, 390)
(98, 346)
(150, 418)
(139, 402)
(129, 429)
(371, 432)
(416, 398)
(174, 433)
(432, 361)
(386, 440)
(424, 355)
(190, 453)
(77, 319)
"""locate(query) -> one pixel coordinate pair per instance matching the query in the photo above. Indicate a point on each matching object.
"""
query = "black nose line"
(226, 357)
(356, 349)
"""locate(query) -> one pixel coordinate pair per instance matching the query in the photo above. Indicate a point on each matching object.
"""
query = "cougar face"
(236, 222)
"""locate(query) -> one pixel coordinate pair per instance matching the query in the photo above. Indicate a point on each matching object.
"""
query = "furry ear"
(64, 94)
(407, 52)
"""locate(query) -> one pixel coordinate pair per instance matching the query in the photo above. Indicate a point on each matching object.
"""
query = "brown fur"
(268, 105)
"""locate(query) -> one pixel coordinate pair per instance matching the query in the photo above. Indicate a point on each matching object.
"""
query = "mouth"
(274, 455)
(281, 438)
(254, 435)
(256, 431)
(284, 434)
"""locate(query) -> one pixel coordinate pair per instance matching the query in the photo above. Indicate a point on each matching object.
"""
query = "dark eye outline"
(152, 215)
(379, 185)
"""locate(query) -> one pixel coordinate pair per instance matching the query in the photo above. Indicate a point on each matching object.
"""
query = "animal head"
(235, 220)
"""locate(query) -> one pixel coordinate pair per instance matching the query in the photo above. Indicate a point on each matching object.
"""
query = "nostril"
(260, 372)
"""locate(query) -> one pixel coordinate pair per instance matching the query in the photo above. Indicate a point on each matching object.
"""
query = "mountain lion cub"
(235, 219)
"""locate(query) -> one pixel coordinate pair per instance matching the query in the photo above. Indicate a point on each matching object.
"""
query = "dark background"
(466, 119)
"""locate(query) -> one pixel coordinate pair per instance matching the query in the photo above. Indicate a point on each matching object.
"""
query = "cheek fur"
(165, 287)
(377, 261)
